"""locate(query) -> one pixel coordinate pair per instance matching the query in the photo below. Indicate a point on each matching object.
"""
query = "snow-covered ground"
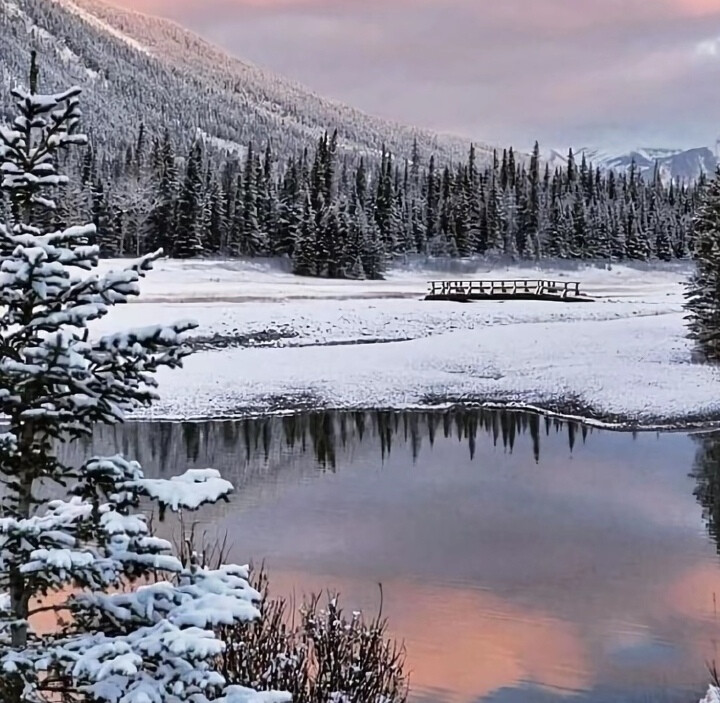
(287, 342)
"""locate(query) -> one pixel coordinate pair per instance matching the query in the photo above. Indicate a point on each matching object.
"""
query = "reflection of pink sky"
(466, 643)
(586, 570)
(490, 590)
(694, 597)
(698, 7)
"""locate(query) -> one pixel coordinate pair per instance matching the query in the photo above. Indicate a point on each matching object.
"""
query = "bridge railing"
(523, 286)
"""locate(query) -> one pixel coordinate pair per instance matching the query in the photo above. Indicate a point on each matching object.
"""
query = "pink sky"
(613, 73)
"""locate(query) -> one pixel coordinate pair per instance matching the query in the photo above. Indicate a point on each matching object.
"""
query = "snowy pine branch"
(134, 623)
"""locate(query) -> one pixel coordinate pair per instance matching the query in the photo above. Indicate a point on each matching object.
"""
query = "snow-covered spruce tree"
(703, 290)
(187, 241)
(134, 625)
(304, 258)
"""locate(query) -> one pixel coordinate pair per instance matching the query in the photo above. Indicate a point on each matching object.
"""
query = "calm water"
(521, 560)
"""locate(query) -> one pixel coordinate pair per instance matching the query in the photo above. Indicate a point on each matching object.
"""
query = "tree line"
(342, 216)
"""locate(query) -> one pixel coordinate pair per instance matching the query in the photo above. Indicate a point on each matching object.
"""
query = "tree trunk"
(19, 596)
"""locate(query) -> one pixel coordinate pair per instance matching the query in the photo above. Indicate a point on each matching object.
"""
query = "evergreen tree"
(600, 225)
(330, 168)
(290, 214)
(617, 236)
(133, 621)
(329, 243)
(107, 234)
(703, 290)
(355, 244)
(304, 256)
(578, 247)
(140, 146)
(89, 167)
(571, 178)
(237, 222)
(494, 215)
(417, 225)
(432, 197)
(373, 251)
(318, 178)
(160, 223)
(252, 238)
(216, 228)
(636, 244)
(188, 237)
(663, 247)
(557, 242)
(532, 222)
(509, 222)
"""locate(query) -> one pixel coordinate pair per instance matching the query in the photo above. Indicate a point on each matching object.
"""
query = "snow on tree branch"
(189, 491)
(143, 627)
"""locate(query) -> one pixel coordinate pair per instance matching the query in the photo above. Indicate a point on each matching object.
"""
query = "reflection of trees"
(261, 455)
(245, 448)
(706, 471)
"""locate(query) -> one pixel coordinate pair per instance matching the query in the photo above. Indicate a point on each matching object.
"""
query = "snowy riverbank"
(273, 342)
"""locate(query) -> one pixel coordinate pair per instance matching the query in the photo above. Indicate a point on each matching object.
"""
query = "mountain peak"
(674, 164)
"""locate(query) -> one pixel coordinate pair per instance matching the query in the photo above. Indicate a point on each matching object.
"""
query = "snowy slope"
(138, 68)
(346, 344)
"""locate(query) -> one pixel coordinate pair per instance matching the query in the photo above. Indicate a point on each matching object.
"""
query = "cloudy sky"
(609, 73)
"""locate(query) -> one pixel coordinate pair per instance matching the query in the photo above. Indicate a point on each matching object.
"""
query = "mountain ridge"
(137, 68)
(685, 165)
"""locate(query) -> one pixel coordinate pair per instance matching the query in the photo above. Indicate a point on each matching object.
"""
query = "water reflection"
(161, 445)
(706, 471)
(522, 559)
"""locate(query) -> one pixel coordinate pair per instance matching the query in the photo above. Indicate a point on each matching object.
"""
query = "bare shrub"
(327, 656)
(317, 652)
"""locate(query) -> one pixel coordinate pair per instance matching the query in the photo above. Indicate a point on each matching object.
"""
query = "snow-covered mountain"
(673, 164)
(136, 68)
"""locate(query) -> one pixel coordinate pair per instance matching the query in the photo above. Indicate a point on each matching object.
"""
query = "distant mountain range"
(135, 68)
(673, 164)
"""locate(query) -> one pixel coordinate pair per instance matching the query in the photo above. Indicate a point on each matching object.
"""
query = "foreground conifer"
(703, 291)
(133, 624)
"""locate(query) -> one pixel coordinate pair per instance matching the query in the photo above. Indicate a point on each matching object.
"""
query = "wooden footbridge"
(463, 291)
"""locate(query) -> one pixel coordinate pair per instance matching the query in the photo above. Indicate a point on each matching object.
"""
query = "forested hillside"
(134, 68)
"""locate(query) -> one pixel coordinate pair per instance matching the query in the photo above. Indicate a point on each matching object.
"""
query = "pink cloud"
(565, 71)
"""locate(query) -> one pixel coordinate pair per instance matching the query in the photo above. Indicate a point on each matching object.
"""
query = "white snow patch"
(103, 26)
(68, 56)
(14, 10)
(225, 145)
(625, 354)
(239, 694)
(188, 491)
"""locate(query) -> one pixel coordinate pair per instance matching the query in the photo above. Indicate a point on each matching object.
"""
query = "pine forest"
(339, 216)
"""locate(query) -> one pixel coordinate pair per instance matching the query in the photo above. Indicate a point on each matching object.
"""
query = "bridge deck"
(521, 289)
